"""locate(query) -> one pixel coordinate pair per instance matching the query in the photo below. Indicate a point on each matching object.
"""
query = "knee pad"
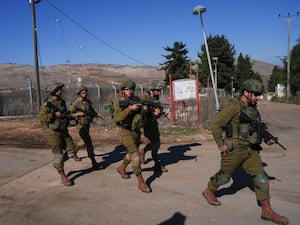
(261, 181)
(58, 161)
(222, 178)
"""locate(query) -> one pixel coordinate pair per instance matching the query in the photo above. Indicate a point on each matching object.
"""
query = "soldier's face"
(252, 97)
(128, 92)
(83, 94)
(58, 93)
(155, 92)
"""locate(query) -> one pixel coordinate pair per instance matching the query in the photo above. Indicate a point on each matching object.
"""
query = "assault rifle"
(88, 113)
(65, 113)
(260, 128)
(137, 100)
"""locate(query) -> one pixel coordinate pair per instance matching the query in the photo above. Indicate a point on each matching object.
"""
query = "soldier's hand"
(135, 106)
(79, 114)
(156, 112)
(223, 149)
(270, 142)
(58, 114)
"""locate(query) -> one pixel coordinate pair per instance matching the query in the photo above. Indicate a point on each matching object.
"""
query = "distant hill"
(15, 76)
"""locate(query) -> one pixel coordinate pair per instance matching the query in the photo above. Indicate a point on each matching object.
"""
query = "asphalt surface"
(31, 192)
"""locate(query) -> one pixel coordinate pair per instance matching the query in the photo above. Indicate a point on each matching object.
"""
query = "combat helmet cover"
(252, 85)
(81, 88)
(157, 85)
(52, 88)
(128, 84)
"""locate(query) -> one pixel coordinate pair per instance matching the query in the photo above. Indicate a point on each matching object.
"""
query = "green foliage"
(295, 68)
(179, 131)
(219, 47)
(244, 71)
(278, 76)
(177, 64)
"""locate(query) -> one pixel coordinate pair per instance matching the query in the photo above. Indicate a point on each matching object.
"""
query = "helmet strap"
(249, 99)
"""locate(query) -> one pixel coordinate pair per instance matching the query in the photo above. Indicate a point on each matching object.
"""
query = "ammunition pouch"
(229, 130)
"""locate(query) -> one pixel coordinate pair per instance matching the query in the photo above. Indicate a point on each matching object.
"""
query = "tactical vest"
(133, 121)
(57, 123)
(241, 128)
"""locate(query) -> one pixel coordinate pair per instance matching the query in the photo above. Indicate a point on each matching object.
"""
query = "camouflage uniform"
(240, 146)
(243, 148)
(150, 125)
(83, 122)
(56, 129)
(129, 122)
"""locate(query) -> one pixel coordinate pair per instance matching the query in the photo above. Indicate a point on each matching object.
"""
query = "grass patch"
(180, 131)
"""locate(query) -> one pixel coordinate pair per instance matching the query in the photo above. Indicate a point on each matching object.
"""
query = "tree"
(177, 64)
(278, 76)
(244, 70)
(219, 47)
(295, 68)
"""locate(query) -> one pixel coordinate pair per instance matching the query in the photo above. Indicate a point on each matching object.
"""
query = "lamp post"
(231, 87)
(198, 10)
(288, 89)
(215, 60)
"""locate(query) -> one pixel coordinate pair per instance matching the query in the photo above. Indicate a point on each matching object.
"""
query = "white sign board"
(184, 89)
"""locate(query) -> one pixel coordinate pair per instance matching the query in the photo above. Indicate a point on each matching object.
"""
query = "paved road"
(31, 193)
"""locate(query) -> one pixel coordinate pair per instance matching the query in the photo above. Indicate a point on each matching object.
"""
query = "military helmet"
(252, 85)
(80, 89)
(157, 85)
(52, 88)
(128, 84)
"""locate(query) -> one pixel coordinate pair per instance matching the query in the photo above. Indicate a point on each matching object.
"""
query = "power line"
(95, 36)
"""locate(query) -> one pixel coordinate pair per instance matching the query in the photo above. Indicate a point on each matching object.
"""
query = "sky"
(135, 32)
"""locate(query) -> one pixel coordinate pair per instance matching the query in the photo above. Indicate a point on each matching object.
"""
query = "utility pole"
(288, 87)
(36, 63)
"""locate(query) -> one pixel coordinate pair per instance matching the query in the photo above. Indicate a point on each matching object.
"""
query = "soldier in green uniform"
(240, 146)
(54, 118)
(150, 124)
(128, 118)
(81, 108)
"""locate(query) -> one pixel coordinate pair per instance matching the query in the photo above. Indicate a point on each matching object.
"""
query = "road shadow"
(174, 155)
(240, 180)
(176, 219)
(107, 159)
(114, 156)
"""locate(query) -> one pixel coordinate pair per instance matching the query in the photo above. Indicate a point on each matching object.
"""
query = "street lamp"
(231, 87)
(198, 10)
(215, 60)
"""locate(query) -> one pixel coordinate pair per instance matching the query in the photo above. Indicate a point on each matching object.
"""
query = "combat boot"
(121, 170)
(267, 213)
(142, 185)
(210, 197)
(64, 179)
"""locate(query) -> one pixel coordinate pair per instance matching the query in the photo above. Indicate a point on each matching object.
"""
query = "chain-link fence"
(187, 114)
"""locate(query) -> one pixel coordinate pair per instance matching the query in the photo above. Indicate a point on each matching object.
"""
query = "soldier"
(129, 119)
(81, 108)
(150, 124)
(54, 118)
(240, 148)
